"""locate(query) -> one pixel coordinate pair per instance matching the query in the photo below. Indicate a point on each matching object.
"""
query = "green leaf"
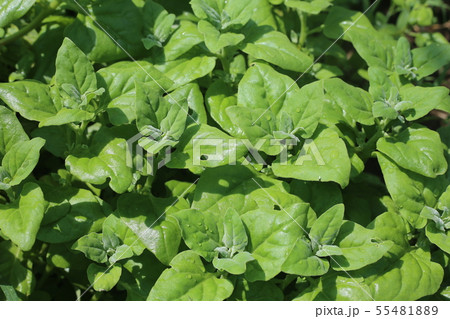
(355, 103)
(256, 291)
(55, 139)
(11, 10)
(182, 40)
(206, 146)
(272, 235)
(339, 19)
(208, 233)
(406, 277)
(303, 262)
(381, 84)
(216, 41)
(417, 149)
(11, 131)
(236, 13)
(274, 47)
(139, 275)
(29, 98)
(438, 237)
(359, 247)
(222, 188)
(326, 227)
(106, 158)
(109, 238)
(91, 246)
(322, 158)
(367, 195)
(376, 48)
(157, 21)
(430, 58)
(74, 69)
(234, 235)
(116, 232)
(264, 88)
(200, 231)
(62, 256)
(122, 252)
(403, 58)
(187, 279)
(421, 14)
(271, 104)
(313, 7)
(15, 270)
(224, 15)
(328, 250)
(104, 278)
(5, 178)
(21, 159)
(156, 229)
(9, 292)
(419, 101)
(334, 286)
(390, 226)
(66, 116)
(122, 19)
(274, 198)
(208, 9)
(163, 114)
(119, 79)
(188, 70)
(236, 265)
(170, 113)
(20, 220)
(321, 196)
(446, 292)
(409, 277)
(219, 97)
(71, 214)
(410, 191)
(193, 97)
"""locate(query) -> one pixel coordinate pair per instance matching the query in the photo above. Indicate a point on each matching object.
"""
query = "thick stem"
(79, 132)
(303, 29)
(32, 25)
(371, 144)
(224, 60)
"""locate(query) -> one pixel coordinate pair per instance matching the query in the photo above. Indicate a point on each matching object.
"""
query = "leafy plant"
(224, 150)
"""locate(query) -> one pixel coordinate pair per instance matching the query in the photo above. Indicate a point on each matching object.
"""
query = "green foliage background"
(369, 91)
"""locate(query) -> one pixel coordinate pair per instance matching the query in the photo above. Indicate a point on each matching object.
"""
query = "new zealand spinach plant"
(224, 150)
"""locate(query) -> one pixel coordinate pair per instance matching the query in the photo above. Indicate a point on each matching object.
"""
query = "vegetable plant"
(224, 150)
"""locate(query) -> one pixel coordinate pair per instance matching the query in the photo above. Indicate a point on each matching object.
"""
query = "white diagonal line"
(316, 60)
(133, 59)
(139, 237)
(312, 239)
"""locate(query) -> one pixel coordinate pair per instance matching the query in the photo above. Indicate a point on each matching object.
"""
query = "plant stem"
(390, 11)
(10, 194)
(32, 25)
(79, 131)
(316, 30)
(224, 60)
(370, 146)
(303, 29)
(45, 275)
